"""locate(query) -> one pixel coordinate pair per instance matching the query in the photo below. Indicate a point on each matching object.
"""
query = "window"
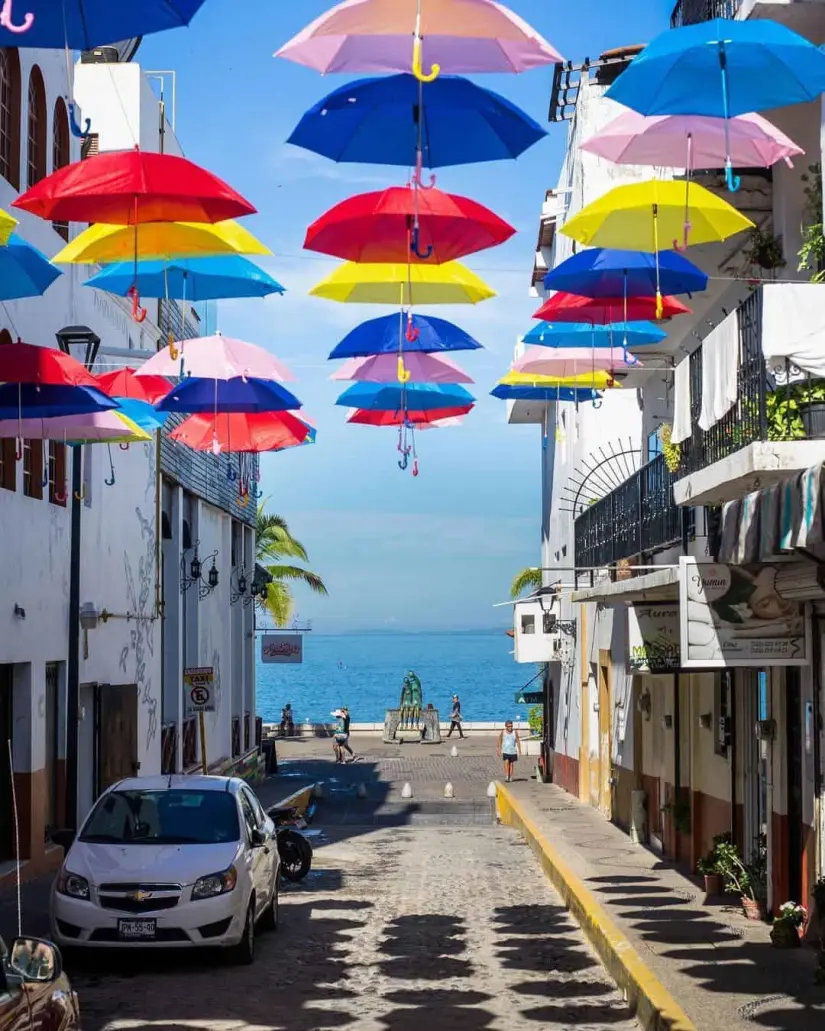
(33, 468)
(37, 122)
(61, 153)
(57, 473)
(528, 624)
(250, 818)
(654, 444)
(174, 817)
(10, 116)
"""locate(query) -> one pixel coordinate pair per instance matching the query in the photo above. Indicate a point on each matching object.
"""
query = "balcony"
(692, 12)
(635, 521)
(774, 429)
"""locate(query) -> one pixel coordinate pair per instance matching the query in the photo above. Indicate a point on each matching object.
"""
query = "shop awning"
(661, 585)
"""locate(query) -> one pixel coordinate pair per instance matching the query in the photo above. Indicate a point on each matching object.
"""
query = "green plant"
(812, 252)
(709, 864)
(671, 451)
(274, 543)
(747, 879)
(764, 250)
(527, 580)
(535, 720)
(783, 409)
(792, 913)
(679, 810)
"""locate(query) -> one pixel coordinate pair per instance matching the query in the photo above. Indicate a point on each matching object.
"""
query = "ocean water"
(366, 671)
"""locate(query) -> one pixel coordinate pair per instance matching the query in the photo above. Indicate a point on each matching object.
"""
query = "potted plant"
(535, 720)
(708, 866)
(785, 930)
(748, 880)
(812, 252)
(671, 451)
(797, 412)
(764, 250)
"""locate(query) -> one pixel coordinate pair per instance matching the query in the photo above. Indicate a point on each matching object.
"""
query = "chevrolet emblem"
(140, 896)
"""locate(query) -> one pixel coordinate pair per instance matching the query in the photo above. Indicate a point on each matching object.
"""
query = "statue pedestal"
(427, 729)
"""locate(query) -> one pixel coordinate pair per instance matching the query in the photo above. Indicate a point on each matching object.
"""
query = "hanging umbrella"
(395, 397)
(691, 141)
(189, 279)
(390, 334)
(404, 223)
(548, 394)
(563, 307)
(649, 216)
(599, 272)
(594, 378)
(383, 368)
(24, 271)
(462, 36)
(585, 334)
(419, 419)
(243, 431)
(89, 428)
(161, 241)
(569, 361)
(144, 414)
(30, 364)
(124, 383)
(217, 357)
(722, 68)
(438, 424)
(7, 227)
(387, 120)
(451, 283)
(125, 187)
(46, 401)
(85, 24)
(194, 395)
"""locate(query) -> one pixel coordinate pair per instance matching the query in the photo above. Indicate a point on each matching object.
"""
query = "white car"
(171, 862)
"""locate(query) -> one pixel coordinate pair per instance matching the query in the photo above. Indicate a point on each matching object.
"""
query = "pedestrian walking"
(455, 717)
(509, 749)
(340, 742)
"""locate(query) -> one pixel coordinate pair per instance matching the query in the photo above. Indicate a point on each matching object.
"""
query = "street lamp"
(205, 584)
(82, 344)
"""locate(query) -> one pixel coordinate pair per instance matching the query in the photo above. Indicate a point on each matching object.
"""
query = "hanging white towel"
(681, 402)
(793, 325)
(720, 371)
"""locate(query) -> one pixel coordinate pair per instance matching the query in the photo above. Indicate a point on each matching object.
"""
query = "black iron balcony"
(691, 12)
(634, 521)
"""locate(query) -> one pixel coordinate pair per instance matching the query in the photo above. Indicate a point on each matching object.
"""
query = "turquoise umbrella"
(188, 279)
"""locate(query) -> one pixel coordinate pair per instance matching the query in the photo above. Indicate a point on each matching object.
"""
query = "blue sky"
(396, 552)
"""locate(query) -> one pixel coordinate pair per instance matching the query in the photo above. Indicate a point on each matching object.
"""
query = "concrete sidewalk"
(682, 963)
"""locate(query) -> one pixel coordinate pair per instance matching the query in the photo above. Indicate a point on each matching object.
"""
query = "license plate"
(137, 930)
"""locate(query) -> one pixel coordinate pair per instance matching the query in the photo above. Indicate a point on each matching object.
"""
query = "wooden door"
(118, 733)
(605, 739)
(6, 807)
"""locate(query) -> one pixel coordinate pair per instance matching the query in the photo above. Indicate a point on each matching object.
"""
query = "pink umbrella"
(90, 428)
(440, 424)
(383, 368)
(216, 357)
(462, 36)
(570, 361)
(691, 141)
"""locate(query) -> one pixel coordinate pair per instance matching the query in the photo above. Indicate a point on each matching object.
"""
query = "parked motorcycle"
(294, 849)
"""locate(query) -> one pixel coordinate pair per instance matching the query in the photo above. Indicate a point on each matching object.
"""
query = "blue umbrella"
(393, 397)
(47, 401)
(721, 69)
(382, 336)
(191, 279)
(85, 24)
(509, 393)
(240, 394)
(142, 413)
(582, 334)
(601, 272)
(24, 271)
(382, 121)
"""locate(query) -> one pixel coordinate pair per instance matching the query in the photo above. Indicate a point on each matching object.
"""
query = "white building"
(152, 620)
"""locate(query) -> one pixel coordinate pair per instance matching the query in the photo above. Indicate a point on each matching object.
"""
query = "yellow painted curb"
(654, 1007)
(299, 799)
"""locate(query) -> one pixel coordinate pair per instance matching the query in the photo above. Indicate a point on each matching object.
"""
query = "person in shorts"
(340, 741)
(509, 749)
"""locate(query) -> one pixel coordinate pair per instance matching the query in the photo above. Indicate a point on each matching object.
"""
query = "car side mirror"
(35, 959)
(257, 838)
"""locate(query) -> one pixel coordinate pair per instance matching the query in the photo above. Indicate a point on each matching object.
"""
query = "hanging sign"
(282, 648)
(199, 689)
(734, 616)
(653, 639)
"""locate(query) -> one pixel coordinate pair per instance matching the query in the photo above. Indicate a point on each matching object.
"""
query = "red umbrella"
(600, 311)
(401, 222)
(124, 383)
(40, 366)
(125, 187)
(362, 417)
(264, 431)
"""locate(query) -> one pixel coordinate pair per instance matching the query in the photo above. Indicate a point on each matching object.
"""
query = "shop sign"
(282, 648)
(199, 689)
(653, 639)
(734, 616)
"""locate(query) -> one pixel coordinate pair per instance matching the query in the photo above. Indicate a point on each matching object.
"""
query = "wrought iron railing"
(691, 12)
(169, 748)
(636, 520)
(236, 736)
(259, 731)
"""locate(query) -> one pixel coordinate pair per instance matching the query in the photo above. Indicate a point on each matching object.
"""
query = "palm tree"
(526, 580)
(273, 544)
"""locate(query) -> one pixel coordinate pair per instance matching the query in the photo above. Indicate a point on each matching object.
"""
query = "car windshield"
(174, 817)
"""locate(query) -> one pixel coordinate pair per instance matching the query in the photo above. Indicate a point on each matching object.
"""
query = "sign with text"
(653, 639)
(283, 648)
(199, 689)
(734, 616)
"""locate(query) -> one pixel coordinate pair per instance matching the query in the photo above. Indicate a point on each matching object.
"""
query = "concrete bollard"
(454, 752)
(491, 790)
(448, 790)
(406, 791)
(362, 791)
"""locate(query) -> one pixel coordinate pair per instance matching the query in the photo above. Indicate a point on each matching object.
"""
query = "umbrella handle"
(174, 352)
(683, 246)
(412, 334)
(405, 460)
(110, 480)
(45, 480)
(733, 181)
(123, 447)
(6, 16)
(242, 502)
(417, 68)
(60, 498)
(230, 473)
(18, 450)
(418, 179)
(415, 466)
(415, 245)
(74, 125)
(256, 493)
(404, 374)
(80, 494)
(138, 314)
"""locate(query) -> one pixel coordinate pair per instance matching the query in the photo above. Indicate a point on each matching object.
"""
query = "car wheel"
(269, 919)
(244, 952)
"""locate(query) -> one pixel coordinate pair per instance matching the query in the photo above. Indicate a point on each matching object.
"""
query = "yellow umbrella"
(450, 283)
(597, 379)
(7, 224)
(158, 241)
(652, 216)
